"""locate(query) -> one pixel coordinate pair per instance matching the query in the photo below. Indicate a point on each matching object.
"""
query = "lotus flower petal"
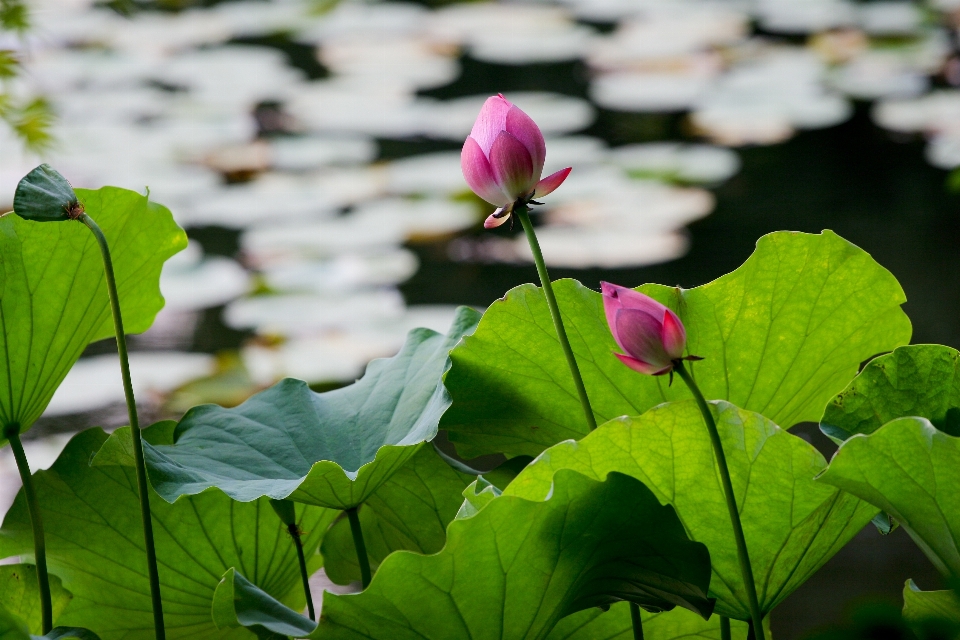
(639, 334)
(512, 166)
(496, 219)
(549, 184)
(643, 367)
(479, 175)
(491, 121)
(673, 335)
(524, 129)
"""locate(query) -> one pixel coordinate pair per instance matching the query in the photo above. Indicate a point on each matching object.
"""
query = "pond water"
(312, 159)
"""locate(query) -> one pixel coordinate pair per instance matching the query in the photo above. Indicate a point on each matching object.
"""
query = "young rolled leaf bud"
(651, 335)
(502, 159)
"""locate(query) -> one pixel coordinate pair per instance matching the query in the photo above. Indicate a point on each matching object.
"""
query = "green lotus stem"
(12, 433)
(304, 576)
(136, 436)
(745, 569)
(725, 628)
(637, 624)
(521, 212)
(750, 630)
(361, 547)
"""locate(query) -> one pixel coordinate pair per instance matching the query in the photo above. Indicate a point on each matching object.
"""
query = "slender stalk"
(637, 624)
(360, 546)
(750, 630)
(521, 212)
(745, 569)
(725, 628)
(304, 576)
(12, 434)
(142, 484)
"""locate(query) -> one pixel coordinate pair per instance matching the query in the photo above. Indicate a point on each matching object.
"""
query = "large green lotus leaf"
(410, 511)
(329, 449)
(792, 524)
(95, 545)
(518, 566)
(515, 568)
(917, 380)
(20, 595)
(12, 627)
(53, 293)
(919, 606)
(615, 624)
(909, 469)
(781, 335)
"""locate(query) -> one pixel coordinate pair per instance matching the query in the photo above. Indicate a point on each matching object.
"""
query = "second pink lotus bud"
(650, 334)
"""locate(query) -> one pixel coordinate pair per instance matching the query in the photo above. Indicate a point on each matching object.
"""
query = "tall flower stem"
(745, 569)
(12, 434)
(521, 211)
(142, 484)
(362, 557)
(637, 624)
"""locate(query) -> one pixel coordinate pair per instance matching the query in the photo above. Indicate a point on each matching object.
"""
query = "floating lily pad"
(95, 545)
(329, 449)
(903, 468)
(916, 380)
(781, 336)
(54, 300)
(791, 523)
(514, 569)
(20, 594)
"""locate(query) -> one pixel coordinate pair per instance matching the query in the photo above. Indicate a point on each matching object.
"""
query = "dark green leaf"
(95, 545)
(53, 295)
(781, 335)
(411, 511)
(20, 594)
(918, 380)
(240, 603)
(329, 449)
(514, 569)
(908, 468)
(792, 524)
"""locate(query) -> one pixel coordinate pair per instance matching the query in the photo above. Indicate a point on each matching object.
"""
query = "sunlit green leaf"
(20, 594)
(781, 335)
(917, 380)
(95, 545)
(329, 449)
(514, 569)
(615, 624)
(12, 627)
(792, 524)
(919, 606)
(411, 511)
(53, 295)
(909, 469)
(238, 603)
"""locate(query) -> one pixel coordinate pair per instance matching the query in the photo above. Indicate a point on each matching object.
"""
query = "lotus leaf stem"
(744, 558)
(725, 628)
(521, 212)
(637, 623)
(362, 557)
(12, 434)
(304, 576)
(142, 484)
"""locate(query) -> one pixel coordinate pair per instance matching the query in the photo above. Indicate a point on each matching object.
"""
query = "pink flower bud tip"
(502, 159)
(650, 334)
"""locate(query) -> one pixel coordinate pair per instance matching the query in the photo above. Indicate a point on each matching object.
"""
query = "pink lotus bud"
(502, 159)
(650, 334)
